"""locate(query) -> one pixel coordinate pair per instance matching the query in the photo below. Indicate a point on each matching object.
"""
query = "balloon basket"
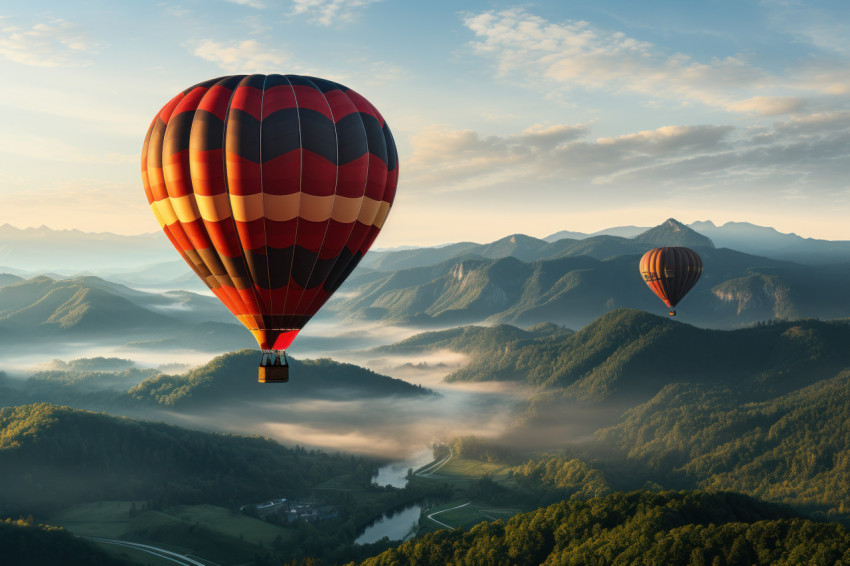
(274, 367)
(672, 313)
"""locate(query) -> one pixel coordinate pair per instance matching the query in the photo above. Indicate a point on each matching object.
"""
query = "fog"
(389, 427)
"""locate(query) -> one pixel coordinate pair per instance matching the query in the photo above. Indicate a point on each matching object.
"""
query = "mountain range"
(573, 282)
(741, 236)
(73, 251)
(148, 260)
(35, 310)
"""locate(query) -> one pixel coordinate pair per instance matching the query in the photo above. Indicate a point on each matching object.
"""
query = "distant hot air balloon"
(272, 188)
(670, 273)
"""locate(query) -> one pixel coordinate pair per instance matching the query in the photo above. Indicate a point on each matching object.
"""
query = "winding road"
(431, 516)
(180, 559)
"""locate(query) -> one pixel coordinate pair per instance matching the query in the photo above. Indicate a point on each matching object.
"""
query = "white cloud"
(330, 12)
(451, 160)
(446, 159)
(825, 28)
(802, 153)
(578, 54)
(767, 105)
(247, 56)
(252, 3)
(48, 44)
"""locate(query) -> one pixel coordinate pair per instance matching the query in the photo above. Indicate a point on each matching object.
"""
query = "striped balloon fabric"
(670, 272)
(272, 188)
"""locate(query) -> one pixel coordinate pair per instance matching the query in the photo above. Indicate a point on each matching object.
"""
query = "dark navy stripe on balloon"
(375, 134)
(353, 143)
(207, 131)
(392, 154)
(177, 133)
(318, 134)
(243, 135)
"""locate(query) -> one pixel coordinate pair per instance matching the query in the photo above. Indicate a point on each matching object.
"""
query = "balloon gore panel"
(271, 188)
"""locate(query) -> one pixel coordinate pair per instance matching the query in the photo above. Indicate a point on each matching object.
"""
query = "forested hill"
(233, 377)
(475, 340)
(54, 457)
(225, 380)
(793, 449)
(25, 543)
(634, 354)
(636, 528)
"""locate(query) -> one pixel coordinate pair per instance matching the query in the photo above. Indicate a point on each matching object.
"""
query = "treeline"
(552, 477)
(54, 457)
(229, 377)
(631, 355)
(793, 449)
(694, 528)
(26, 543)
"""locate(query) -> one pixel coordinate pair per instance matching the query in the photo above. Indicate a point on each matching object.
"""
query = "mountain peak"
(671, 232)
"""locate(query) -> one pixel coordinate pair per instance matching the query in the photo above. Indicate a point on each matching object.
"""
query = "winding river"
(399, 524)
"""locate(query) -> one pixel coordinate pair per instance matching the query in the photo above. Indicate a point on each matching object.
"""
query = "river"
(400, 524)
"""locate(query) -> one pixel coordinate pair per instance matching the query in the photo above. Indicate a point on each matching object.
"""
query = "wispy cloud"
(449, 159)
(767, 105)
(45, 44)
(252, 3)
(802, 152)
(575, 54)
(811, 24)
(330, 12)
(247, 56)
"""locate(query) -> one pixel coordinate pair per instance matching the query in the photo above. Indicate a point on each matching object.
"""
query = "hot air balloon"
(670, 273)
(272, 188)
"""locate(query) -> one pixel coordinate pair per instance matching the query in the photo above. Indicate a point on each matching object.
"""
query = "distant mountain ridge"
(769, 242)
(527, 248)
(574, 290)
(39, 309)
(739, 236)
(73, 251)
(673, 233)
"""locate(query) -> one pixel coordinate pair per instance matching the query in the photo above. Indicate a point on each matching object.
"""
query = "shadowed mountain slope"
(630, 354)
(735, 289)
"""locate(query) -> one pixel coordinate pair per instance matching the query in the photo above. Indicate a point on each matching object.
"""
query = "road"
(431, 516)
(433, 467)
(180, 559)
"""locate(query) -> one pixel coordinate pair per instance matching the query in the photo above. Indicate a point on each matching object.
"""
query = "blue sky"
(510, 117)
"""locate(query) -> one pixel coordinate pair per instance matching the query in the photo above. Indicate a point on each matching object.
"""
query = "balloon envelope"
(670, 272)
(272, 188)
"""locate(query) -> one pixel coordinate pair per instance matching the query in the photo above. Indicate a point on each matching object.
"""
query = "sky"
(510, 117)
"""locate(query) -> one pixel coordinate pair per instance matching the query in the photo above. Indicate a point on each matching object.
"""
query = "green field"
(216, 533)
(460, 471)
(457, 514)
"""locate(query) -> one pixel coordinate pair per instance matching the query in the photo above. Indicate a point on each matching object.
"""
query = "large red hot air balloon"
(272, 188)
(670, 273)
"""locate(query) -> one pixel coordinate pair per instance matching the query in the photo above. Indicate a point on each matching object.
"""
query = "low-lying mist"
(391, 427)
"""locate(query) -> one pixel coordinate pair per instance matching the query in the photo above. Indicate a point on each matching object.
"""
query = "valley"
(491, 384)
